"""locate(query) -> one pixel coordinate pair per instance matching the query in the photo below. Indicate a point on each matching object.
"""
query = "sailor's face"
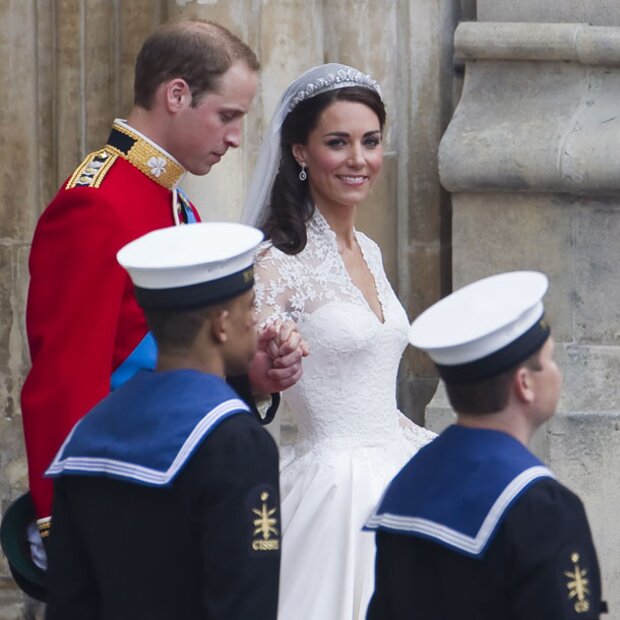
(243, 336)
(547, 382)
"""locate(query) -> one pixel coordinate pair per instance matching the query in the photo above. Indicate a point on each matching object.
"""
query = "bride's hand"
(277, 364)
(286, 344)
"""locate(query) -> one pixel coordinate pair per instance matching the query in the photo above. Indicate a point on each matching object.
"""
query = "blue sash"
(456, 490)
(143, 357)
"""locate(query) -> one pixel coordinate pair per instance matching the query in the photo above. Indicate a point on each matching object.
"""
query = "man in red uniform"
(194, 82)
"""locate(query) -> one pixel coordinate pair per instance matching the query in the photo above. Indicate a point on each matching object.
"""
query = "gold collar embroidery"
(145, 155)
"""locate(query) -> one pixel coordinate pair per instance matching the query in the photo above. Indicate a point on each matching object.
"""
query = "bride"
(320, 158)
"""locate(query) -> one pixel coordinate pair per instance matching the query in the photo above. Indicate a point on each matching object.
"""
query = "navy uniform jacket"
(166, 516)
(526, 555)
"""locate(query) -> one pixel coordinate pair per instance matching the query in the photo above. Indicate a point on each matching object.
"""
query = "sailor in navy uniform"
(475, 526)
(166, 500)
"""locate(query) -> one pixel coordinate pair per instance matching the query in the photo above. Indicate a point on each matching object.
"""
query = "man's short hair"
(198, 51)
(175, 330)
(488, 395)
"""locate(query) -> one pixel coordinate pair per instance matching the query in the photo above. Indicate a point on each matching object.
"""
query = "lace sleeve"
(294, 287)
(274, 293)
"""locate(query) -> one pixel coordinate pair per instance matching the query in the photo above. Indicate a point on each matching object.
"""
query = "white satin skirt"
(327, 570)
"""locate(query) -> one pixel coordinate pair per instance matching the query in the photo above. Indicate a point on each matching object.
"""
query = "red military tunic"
(82, 318)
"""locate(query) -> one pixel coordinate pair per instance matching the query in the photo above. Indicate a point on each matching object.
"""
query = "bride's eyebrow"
(344, 134)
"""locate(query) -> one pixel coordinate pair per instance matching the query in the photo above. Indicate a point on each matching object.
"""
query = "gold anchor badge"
(265, 527)
(578, 585)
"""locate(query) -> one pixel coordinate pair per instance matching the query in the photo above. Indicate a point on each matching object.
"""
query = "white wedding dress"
(352, 438)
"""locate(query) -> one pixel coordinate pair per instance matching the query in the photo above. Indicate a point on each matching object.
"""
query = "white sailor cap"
(484, 328)
(190, 266)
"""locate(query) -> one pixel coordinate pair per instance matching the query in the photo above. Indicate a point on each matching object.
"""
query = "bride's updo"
(290, 205)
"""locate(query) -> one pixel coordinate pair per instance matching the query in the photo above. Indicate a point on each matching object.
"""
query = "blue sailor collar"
(456, 490)
(146, 430)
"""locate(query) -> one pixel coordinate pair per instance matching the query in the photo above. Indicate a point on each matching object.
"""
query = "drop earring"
(303, 175)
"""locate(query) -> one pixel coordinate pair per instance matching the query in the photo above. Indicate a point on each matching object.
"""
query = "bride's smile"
(343, 155)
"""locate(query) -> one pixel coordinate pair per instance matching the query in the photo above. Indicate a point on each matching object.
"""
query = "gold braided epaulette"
(92, 171)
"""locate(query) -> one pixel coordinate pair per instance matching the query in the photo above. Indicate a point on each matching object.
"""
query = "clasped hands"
(278, 361)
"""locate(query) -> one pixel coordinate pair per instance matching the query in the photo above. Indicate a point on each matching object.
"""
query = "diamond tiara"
(331, 81)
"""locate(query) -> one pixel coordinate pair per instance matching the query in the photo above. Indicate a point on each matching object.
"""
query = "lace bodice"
(293, 287)
(347, 395)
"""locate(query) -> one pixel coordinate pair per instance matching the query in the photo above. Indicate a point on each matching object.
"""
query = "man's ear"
(220, 325)
(299, 153)
(177, 94)
(523, 386)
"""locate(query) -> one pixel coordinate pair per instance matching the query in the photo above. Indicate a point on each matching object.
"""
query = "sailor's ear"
(523, 385)
(220, 325)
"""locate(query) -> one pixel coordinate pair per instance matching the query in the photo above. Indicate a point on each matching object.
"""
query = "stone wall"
(68, 72)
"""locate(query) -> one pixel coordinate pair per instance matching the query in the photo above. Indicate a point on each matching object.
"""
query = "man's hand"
(277, 363)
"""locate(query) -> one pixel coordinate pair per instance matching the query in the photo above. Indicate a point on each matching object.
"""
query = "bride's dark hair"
(290, 206)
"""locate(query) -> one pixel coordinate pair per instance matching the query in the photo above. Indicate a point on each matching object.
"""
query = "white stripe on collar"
(145, 474)
(451, 537)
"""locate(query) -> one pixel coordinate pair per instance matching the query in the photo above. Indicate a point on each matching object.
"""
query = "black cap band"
(499, 361)
(196, 295)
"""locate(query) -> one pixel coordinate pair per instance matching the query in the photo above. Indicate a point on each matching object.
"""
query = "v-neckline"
(323, 224)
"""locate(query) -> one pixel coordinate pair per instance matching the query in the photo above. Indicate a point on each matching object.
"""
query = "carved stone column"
(426, 82)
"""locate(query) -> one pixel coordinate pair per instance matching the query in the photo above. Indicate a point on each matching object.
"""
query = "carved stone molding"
(539, 110)
(588, 45)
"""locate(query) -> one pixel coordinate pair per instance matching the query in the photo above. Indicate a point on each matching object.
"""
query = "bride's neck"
(342, 222)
